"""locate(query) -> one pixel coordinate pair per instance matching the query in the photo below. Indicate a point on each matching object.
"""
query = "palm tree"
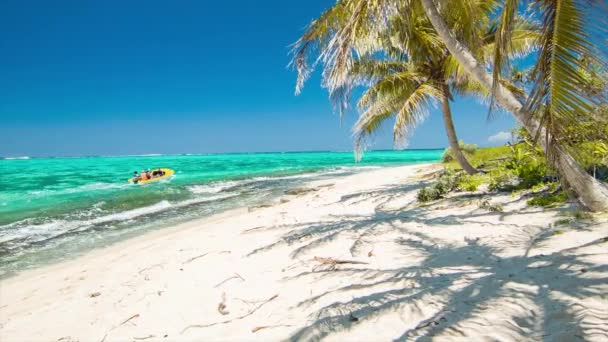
(405, 90)
(556, 93)
(418, 72)
(404, 86)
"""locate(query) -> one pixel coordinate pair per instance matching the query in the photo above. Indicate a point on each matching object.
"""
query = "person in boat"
(158, 173)
(145, 175)
(136, 177)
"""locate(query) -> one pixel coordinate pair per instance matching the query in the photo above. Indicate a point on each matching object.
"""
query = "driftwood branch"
(128, 319)
(253, 229)
(114, 327)
(144, 338)
(333, 263)
(149, 268)
(236, 275)
(194, 258)
(251, 312)
(256, 329)
(202, 255)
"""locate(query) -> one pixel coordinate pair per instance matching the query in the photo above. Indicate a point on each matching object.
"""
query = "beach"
(348, 257)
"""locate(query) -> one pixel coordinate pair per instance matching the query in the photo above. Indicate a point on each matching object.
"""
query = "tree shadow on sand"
(455, 287)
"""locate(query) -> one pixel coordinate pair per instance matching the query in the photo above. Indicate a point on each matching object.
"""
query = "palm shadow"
(461, 282)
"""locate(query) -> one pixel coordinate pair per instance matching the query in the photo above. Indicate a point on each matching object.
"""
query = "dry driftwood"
(236, 275)
(114, 327)
(251, 312)
(128, 319)
(256, 329)
(221, 307)
(144, 338)
(202, 255)
(149, 268)
(194, 258)
(333, 263)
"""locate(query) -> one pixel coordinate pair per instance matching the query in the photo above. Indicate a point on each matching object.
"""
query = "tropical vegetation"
(470, 43)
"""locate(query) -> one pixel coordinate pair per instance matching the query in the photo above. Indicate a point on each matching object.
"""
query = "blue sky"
(132, 77)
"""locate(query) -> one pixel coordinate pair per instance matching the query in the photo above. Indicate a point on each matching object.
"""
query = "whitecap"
(17, 158)
(213, 188)
(46, 230)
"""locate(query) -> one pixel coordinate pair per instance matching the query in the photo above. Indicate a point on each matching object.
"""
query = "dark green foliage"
(470, 182)
(579, 215)
(527, 162)
(502, 179)
(549, 200)
(428, 193)
(562, 222)
(446, 182)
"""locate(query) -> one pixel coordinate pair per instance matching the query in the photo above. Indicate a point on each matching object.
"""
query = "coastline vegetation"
(516, 168)
(421, 51)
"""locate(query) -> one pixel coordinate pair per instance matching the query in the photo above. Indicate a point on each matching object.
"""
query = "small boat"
(166, 174)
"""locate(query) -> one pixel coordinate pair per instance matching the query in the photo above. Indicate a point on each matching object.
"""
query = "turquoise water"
(51, 208)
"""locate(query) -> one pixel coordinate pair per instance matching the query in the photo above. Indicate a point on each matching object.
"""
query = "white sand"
(448, 270)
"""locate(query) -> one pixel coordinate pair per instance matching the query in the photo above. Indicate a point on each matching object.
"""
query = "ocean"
(54, 208)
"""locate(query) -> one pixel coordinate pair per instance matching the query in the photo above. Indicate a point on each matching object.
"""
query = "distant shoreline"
(202, 154)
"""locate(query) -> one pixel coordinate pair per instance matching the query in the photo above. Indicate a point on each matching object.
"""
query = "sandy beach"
(349, 258)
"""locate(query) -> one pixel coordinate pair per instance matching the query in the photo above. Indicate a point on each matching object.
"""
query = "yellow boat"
(166, 174)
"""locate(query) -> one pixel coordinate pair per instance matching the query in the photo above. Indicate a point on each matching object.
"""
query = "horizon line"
(26, 157)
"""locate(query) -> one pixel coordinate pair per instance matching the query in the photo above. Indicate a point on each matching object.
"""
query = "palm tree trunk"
(451, 131)
(591, 193)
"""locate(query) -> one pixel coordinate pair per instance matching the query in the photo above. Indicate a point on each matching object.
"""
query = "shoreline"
(80, 208)
(184, 223)
(347, 257)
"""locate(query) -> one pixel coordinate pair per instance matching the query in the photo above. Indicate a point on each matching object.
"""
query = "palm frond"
(393, 85)
(370, 69)
(414, 110)
(558, 95)
(502, 44)
(315, 39)
(410, 103)
(523, 41)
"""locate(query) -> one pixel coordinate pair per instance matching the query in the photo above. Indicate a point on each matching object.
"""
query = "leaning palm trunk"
(591, 193)
(451, 131)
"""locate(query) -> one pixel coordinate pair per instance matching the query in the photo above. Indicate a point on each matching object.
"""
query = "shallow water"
(51, 208)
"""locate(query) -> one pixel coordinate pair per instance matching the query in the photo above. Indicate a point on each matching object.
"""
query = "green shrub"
(502, 179)
(549, 200)
(467, 148)
(582, 215)
(593, 157)
(528, 164)
(428, 193)
(562, 222)
(448, 154)
(445, 183)
(470, 182)
(579, 215)
(540, 187)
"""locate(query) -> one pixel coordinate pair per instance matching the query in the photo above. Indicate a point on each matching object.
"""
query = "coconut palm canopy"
(406, 69)
(556, 99)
